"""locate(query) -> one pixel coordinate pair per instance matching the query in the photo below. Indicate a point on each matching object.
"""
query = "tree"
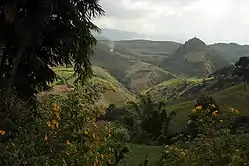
(152, 116)
(242, 68)
(38, 35)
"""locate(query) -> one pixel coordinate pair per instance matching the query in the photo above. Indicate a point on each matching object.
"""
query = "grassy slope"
(138, 153)
(151, 47)
(194, 58)
(231, 51)
(135, 74)
(234, 96)
(113, 91)
(153, 52)
(167, 89)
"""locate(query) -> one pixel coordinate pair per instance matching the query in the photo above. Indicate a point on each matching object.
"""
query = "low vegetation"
(58, 109)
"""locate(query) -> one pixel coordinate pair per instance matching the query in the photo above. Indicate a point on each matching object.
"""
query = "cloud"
(210, 20)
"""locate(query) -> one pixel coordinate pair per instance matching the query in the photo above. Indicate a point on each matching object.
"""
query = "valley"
(167, 71)
(124, 83)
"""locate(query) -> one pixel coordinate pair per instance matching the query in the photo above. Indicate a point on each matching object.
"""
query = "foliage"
(112, 91)
(37, 35)
(64, 132)
(242, 68)
(120, 150)
(213, 144)
(223, 150)
(113, 113)
(206, 118)
(149, 120)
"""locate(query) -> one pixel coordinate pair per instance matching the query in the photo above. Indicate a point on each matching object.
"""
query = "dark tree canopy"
(242, 68)
(36, 35)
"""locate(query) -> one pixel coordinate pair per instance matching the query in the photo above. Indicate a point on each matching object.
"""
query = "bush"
(223, 150)
(148, 120)
(63, 131)
(213, 142)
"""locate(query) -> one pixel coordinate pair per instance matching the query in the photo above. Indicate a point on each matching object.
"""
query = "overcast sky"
(210, 20)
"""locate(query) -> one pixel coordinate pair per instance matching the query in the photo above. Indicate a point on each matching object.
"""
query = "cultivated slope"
(111, 90)
(135, 74)
(149, 51)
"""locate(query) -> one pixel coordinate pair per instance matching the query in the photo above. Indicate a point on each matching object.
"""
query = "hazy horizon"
(223, 21)
(158, 38)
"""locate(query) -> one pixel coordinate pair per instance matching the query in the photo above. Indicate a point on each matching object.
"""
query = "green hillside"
(120, 69)
(171, 88)
(149, 51)
(194, 59)
(135, 74)
(151, 47)
(232, 51)
(235, 96)
(113, 92)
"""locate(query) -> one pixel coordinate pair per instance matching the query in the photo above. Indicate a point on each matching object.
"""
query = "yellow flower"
(198, 107)
(194, 110)
(54, 121)
(2, 132)
(214, 113)
(49, 124)
(86, 131)
(52, 126)
(55, 106)
(68, 142)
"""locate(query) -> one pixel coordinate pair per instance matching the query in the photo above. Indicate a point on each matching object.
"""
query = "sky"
(213, 21)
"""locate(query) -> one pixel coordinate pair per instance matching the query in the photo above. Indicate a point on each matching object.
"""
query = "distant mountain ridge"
(194, 58)
(230, 51)
(139, 64)
(117, 35)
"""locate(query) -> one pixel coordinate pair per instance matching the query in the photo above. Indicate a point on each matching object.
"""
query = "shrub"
(148, 120)
(223, 150)
(207, 118)
(63, 132)
(213, 142)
